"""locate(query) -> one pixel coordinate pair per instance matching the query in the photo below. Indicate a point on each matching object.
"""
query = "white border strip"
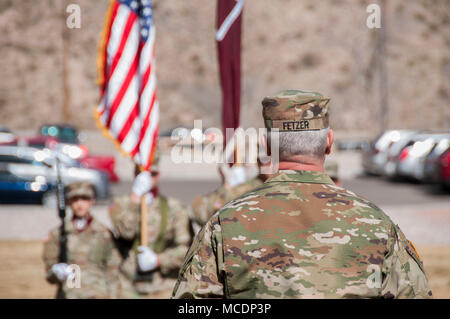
(226, 25)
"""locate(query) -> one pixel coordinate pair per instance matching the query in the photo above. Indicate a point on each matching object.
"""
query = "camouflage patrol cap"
(80, 189)
(296, 110)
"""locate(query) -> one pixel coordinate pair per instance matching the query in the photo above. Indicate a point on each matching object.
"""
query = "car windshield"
(64, 134)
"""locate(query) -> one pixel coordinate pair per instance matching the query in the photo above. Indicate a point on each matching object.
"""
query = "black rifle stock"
(61, 213)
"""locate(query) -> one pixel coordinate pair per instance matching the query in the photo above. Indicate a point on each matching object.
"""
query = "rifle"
(61, 213)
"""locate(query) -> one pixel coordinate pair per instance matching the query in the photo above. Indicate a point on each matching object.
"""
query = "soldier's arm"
(403, 271)
(203, 207)
(172, 258)
(202, 273)
(50, 256)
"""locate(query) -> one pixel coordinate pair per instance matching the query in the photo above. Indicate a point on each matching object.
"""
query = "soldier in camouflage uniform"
(90, 246)
(299, 235)
(203, 207)
(152, 270)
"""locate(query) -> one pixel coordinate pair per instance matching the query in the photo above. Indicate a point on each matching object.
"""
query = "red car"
(102, 163)
(437, 164)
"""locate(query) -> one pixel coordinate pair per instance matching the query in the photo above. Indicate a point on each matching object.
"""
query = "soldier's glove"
(61, 271)
(142, 184)
(147, 259)
(237, 175)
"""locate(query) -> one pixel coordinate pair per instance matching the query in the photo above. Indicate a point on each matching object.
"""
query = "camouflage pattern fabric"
(301, 236)
(125, 216)
(296, 110)
(79, 189)
(203, 207)
(94, 251)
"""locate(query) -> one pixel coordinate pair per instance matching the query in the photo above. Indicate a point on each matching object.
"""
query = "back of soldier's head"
(302, 120)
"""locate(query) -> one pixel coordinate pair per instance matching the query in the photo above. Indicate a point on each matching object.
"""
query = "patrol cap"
(295, 110)
(80, 189)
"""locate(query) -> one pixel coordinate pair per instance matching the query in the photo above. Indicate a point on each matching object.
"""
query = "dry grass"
(437, 265)
(22, 271)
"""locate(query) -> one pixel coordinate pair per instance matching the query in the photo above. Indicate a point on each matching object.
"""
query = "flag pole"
(144, 221)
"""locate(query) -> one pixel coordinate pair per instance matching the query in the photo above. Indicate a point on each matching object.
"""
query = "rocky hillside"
(323, 46)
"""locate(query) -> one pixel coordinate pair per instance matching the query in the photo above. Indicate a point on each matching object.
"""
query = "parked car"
(6, 135)
(406, 138)
(437, 164)
(101, 163)
(412, 158)
(63, 132)
(17, 189)
(69, 144)
(27, 162)
(375, 154)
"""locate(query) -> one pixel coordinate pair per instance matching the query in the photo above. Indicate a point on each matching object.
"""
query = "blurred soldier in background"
(152, 270)
(203, 207)
(299, 235)
(90, 246)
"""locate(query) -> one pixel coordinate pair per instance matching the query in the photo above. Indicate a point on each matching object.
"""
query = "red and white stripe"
(129, 108)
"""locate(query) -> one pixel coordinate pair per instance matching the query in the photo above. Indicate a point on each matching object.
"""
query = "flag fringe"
(108, 135)
(101, 63)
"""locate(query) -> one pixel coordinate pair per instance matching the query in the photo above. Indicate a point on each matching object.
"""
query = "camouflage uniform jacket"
(177, 238)
(203, 207)
(93, 250)
(301, 236)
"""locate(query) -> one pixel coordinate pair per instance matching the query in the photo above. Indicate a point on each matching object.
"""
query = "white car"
(401, 140)
(28, 162)
(411, 162)
(376, 155)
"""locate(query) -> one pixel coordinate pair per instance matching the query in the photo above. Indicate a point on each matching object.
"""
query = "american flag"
(129, 112)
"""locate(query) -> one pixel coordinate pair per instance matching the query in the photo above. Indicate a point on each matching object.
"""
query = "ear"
(330, 139)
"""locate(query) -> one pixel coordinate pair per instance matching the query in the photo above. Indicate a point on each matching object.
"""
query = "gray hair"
(309, 143)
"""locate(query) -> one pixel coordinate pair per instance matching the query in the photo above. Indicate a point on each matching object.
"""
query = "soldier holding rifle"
(81, 251)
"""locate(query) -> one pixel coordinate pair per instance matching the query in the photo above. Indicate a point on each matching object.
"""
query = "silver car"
(375, 156)
(403, 139)
(412, 162)
(30, 162)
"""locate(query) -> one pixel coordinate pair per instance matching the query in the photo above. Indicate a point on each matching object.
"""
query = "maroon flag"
(228, 36)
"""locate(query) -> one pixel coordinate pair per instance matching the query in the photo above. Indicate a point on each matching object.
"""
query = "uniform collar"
(312, 177)
(70, 227)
